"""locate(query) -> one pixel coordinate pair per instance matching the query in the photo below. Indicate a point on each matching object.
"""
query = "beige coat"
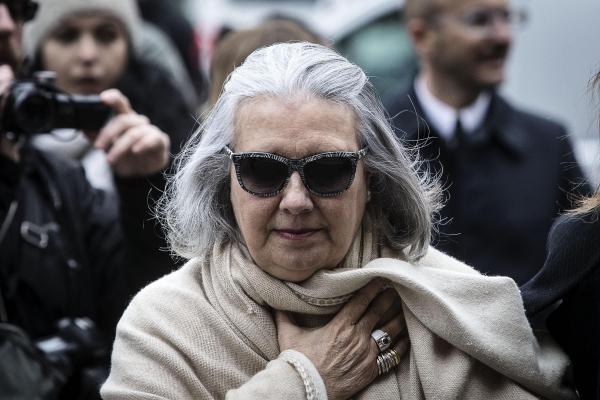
(206, 331)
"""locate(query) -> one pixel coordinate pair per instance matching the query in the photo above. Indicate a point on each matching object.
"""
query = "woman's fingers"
(117, 127)
(358, 304)
(116, 100)
(396, 328)
(124, 144)
(343, 351)
(378, 309)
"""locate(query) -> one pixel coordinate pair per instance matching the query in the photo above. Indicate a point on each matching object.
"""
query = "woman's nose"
(296, 197)
(87, 49)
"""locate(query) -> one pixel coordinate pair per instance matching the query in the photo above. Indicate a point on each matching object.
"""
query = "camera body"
(38, 106)
(77, 356)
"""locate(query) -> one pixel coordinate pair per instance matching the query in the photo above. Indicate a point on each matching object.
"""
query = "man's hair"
(196, 209)
(420, 9)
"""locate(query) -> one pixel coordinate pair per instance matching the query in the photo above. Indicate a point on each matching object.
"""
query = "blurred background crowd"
(169, 61)
(552, 59)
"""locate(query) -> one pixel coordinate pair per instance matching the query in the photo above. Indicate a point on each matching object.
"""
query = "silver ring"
(387, 361)
(382, 338)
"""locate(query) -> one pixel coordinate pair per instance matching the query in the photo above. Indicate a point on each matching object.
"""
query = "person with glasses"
(310, 274)
(507, 173)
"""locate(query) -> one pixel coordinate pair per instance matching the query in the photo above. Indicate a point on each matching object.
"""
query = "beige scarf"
(469, 338)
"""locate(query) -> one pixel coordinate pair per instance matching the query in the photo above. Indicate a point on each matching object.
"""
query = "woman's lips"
(88, 85)
(296, 234)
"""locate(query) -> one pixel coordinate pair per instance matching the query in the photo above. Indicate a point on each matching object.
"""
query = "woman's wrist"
(313, 382)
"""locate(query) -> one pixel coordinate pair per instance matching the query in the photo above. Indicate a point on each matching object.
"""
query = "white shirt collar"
(442, 117)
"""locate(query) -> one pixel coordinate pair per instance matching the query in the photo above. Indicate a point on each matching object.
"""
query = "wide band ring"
(382, 338)
(387, 361)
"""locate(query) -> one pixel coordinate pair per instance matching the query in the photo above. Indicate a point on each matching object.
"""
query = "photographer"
(62, 288)
(92, 46)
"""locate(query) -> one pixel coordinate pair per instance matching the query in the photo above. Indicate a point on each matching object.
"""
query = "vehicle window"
(382, 48)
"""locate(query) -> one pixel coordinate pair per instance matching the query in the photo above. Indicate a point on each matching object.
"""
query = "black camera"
(38, 106)
(78, 358)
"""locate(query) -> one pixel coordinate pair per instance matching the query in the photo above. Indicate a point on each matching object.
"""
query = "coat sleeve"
(170, 345)
(279, 380)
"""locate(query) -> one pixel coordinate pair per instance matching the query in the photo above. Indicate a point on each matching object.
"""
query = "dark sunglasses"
(324, 174)
(21, 10)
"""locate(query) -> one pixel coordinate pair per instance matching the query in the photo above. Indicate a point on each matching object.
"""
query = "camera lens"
(33, 112)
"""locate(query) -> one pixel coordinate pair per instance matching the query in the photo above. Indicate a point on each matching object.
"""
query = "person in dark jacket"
(507, 173)
(92, 46)
(564, 296)
(62, 259)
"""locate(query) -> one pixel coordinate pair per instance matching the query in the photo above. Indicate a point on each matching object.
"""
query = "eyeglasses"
(324, 174)
(483, 20)
(21, 10)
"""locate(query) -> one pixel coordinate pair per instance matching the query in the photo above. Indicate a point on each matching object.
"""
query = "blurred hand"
(343, 351)
(133, 146)
(7, 77)
(7, 148)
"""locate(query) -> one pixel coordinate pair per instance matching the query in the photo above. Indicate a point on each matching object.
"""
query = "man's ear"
(420, 34)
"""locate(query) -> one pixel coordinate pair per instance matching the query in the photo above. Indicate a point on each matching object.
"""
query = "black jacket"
(570, 278)
(503, 186)
(151, 94)
(63, 253)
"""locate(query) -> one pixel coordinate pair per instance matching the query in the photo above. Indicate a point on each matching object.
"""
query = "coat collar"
(501, 124)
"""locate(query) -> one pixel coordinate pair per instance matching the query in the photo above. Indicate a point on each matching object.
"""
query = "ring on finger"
(382, 339)
(387, 361)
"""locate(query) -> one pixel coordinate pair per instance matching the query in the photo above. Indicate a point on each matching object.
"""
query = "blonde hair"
(591, 203)
(234, 48)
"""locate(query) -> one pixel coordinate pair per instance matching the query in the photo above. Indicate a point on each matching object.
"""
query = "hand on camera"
(133, 146)
(6, 78)
(343, 351)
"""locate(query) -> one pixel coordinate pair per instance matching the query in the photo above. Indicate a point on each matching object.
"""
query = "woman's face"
(87, 52)
(296, 233)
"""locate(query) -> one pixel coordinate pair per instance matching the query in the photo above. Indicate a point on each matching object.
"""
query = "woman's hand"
(133, 146)
(343, 351)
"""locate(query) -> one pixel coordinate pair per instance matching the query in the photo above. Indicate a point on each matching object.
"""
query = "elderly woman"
(305, 224)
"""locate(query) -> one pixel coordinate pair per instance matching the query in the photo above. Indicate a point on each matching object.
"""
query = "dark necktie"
(458, 136)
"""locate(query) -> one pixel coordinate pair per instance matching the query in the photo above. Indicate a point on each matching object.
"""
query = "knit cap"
(52, 12)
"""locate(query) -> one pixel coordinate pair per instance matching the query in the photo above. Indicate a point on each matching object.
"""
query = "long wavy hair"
(592, 203)
(195, 209)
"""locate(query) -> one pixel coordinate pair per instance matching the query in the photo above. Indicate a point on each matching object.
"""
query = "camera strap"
(3, 312)
(10, 216)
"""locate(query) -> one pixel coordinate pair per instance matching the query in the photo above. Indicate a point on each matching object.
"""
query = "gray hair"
(195, 209)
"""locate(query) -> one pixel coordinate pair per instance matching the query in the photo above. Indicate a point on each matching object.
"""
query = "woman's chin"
(294, 269)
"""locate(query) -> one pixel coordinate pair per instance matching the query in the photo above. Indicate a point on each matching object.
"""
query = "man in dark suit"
(507, 173)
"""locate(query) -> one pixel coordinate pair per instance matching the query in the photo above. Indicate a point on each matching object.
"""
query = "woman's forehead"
(303, 124)
(91, 19)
